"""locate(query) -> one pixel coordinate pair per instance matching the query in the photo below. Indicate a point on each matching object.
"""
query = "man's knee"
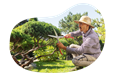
(82, 60)
(71, 46)
(75, 61)
(74, 46)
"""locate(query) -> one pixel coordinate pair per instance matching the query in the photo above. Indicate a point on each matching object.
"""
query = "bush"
(72, 41)
(48, 50)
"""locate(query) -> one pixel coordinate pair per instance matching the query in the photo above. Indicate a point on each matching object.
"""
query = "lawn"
(58, 66)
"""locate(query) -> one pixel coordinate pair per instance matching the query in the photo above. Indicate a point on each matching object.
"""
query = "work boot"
(74, 69)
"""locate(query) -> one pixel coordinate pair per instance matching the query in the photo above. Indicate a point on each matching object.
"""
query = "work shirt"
(90, 45)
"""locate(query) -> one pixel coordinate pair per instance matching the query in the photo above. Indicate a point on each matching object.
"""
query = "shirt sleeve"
(85, 47)
(76, 33)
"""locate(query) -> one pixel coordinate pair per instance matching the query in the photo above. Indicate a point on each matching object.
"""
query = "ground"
(58, 66)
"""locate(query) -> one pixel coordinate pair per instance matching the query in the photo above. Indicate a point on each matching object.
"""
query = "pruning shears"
(59, 37)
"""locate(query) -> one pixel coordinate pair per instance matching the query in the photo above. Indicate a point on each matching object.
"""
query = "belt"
(88, 53)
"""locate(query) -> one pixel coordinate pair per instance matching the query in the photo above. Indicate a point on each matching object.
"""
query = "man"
(89, 51)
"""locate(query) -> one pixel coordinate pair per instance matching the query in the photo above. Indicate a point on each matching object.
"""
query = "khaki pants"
(81, 60)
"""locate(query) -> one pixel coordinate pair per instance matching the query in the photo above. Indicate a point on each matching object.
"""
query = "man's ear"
(88, 27)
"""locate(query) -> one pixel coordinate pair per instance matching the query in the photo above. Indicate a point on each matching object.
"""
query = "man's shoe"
(74, 69)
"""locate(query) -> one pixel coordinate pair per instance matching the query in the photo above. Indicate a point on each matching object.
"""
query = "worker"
(89, 50)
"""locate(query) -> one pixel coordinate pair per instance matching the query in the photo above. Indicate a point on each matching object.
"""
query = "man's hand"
(68, 35)
(61, 46)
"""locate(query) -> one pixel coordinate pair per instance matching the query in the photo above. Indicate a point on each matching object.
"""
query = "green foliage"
(39, 29)
(101, 33)
(64, 42)
(46, 51)
(98, 12)
(99, 24)
(50, 49)
(33, 19)
(34, 33)
(102, 45)
(24, 41)
(74, 41)
(18, 57)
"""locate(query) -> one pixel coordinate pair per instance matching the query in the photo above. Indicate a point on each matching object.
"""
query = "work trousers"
(81, 60)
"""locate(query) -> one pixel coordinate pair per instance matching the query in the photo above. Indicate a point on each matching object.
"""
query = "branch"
(9, 47)
(28, 58)
(13, 47)
(17, 54)
(27, 64)
(15, 60)
(46, 55)
(32, 50)
(51, 42)
(38, 41)
(34, 43)
(22, 54)
(31, 59)
(42, 42)
(20, 50)
(18, 40)
(18, 46)
(46, 45)
(22, 61)
(15, 44)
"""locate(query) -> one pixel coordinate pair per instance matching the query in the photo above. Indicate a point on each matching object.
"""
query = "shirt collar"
(87, 32)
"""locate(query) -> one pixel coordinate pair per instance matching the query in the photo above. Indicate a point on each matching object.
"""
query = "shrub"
(47, 50)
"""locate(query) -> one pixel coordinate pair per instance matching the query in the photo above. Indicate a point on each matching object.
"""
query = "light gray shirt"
(90, 45)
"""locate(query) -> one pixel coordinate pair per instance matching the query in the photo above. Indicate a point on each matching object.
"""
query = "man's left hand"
(61, 46)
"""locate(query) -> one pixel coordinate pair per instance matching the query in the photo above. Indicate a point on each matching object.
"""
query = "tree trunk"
(22, 60)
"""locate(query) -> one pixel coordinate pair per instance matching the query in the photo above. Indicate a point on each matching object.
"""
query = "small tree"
(100, 25)
(30, 37)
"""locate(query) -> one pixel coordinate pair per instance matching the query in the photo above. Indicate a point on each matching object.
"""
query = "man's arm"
(75, 33)
(86, 47)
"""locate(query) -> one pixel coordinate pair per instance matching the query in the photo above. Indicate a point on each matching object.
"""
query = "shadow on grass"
(41, 63)
(52, 65)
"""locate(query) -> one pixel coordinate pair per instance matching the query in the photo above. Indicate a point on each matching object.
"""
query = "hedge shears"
(57, 37)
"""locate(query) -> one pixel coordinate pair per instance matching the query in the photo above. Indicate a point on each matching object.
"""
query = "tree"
(33, 19)
(101, 33)
(68, 25)
(100, 25)
(97, 22)
(30, 37)
(98, 12)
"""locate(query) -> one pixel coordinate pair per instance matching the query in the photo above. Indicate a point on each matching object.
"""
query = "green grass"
(58, 66)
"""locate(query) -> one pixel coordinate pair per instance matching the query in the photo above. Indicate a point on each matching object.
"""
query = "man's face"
(83, 27)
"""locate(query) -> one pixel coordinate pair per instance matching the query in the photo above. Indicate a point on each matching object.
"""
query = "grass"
(58, 66)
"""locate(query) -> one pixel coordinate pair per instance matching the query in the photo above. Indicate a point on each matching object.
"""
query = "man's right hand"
(68, 35)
